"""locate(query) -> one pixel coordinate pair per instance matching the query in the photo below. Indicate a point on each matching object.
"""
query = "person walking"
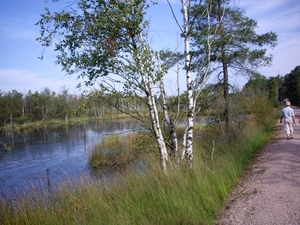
(288, 115)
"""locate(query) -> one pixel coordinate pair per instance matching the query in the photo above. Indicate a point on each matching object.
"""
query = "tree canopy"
(236, 47)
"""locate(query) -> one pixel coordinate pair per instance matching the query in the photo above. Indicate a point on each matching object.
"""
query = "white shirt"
(287, 113)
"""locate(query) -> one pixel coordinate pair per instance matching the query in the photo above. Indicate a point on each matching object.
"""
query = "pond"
(53, 154)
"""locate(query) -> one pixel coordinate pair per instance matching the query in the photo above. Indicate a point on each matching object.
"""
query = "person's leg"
(291, 130)
(287, 129)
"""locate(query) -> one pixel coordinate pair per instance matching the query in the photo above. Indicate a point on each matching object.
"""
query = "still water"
(62, 151)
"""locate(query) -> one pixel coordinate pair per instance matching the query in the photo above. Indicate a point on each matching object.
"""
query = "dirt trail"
(269, 192)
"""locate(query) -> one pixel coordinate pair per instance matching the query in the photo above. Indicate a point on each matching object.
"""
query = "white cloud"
(286, 56)
(281, 17)
(23, 81)
(274, 15)
(17, 28)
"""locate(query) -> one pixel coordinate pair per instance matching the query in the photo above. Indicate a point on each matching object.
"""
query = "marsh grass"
(184, 196)
(117, 152)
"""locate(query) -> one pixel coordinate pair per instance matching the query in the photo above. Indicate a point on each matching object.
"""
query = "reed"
(117, 151)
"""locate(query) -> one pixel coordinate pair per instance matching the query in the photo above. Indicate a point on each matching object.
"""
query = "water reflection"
(63, 151)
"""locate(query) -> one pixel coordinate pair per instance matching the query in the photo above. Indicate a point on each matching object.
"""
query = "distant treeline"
(46, 105)
(278, 88)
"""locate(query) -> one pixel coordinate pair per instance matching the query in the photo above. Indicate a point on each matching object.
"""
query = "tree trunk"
(156, 126)
(190, 124)
(225, 70)
(225, 95)
(173, 135)
(147, 81)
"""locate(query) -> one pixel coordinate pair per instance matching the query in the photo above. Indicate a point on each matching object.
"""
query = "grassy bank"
(184, 196)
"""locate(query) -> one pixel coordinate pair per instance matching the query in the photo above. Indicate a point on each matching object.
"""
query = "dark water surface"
(63, 151)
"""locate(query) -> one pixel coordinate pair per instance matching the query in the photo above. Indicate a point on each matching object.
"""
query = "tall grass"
(184, 196)
(117, 152)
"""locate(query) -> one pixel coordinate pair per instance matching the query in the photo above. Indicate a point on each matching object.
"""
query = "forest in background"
(48, 105)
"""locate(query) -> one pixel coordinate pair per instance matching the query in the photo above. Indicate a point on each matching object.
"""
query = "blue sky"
(21, 69)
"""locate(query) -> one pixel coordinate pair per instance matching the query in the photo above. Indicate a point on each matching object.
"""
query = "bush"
(263, 112)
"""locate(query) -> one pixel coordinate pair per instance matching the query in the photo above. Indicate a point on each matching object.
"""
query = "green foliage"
(235, 40)
(263, 112)
(291, 86)
(22, 120)
(216, 117)
(10, 105)
(234, 45)
(259, 85)
(106, 42)
(97, 39)
(274, 84)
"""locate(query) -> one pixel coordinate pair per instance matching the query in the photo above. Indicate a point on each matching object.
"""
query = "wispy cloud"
(286, 56)
(17, 28)
(281, 17)
(274, 15)
(23, 80)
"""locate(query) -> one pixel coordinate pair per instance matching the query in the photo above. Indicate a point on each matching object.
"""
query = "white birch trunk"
(148, 83)
(184, 143)
(173, 135)
(156, 125)
(190, 122)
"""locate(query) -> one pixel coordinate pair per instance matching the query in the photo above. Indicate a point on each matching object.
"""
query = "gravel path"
(269, 192)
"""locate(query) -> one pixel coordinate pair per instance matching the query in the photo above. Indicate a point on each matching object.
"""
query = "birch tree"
(106, 43)
(196, 72)
(169, 122)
